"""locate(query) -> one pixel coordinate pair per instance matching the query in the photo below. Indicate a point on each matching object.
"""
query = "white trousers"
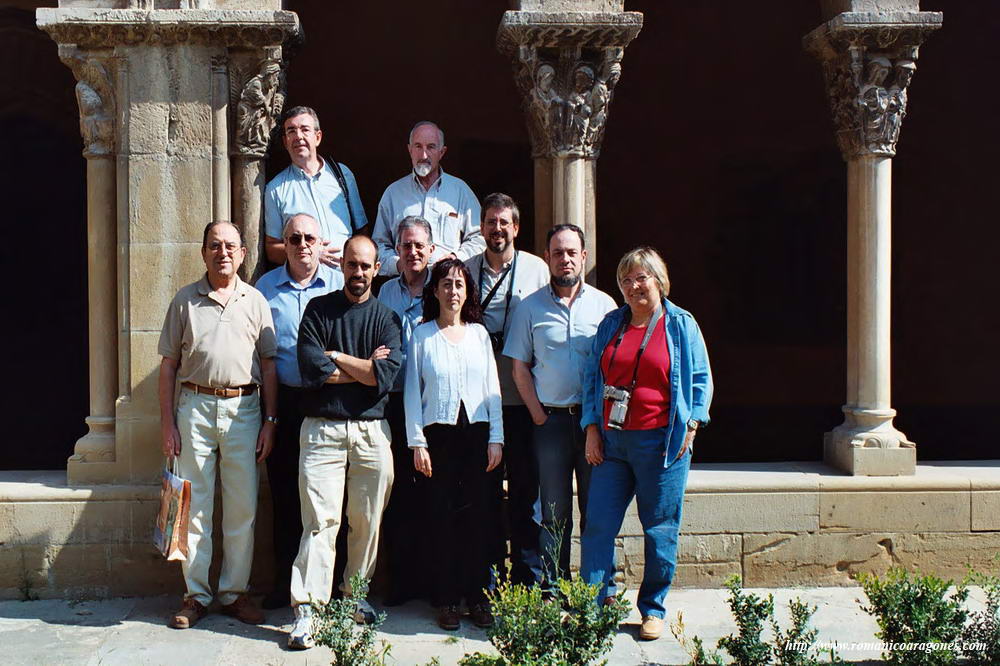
(332, 454)
(219, 433)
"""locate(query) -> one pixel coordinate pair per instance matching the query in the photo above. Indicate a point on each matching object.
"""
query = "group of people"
(476, 363)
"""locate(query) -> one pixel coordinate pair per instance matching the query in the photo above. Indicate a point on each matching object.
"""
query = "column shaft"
(220, 142)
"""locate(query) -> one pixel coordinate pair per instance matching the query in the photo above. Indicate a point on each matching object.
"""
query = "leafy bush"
(750, 612)
(917, 611)
(334, 627)
(531, 631)
(981, 638)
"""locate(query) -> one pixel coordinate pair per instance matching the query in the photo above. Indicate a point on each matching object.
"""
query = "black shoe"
(279, 598)
(481, 615)
(448, 618)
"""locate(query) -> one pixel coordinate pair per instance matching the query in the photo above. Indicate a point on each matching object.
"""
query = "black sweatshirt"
(333, 323)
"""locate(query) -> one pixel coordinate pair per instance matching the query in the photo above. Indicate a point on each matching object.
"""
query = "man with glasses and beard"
(549, 343)
(288, 289)
(445, 201)
(504, 277)
(349, 354)
(325, 189)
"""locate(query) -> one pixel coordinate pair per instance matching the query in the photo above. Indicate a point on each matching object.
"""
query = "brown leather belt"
(221, 392)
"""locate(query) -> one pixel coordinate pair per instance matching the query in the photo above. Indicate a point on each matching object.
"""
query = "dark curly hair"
(472, 311)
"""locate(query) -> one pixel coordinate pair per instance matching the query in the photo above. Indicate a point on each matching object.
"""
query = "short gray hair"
(284, 227)
(429, 123)
(414, 222)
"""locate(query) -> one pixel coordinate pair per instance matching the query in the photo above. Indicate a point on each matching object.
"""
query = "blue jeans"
(633, 466)
(559, 452)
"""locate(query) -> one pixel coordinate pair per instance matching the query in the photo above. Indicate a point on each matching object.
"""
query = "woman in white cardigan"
(455, 428)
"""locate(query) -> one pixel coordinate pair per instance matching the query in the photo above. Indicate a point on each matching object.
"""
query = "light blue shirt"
(555, 340)
(396, 296)
(449, 206)
(293, 191)
(442, 375)
(287, 300)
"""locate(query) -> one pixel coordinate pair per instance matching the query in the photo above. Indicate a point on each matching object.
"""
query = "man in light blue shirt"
(288, 289)
(325, 190)
(549, 341)
(445, 201)
(403, 519)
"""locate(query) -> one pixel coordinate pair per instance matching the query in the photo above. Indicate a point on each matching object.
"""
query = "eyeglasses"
(215, 246)
(638, 281)
(298, 239)
(419, 247)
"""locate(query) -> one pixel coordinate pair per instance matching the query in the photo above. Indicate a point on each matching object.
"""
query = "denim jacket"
(690, 375)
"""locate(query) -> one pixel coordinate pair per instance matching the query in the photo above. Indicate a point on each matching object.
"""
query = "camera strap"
(510, 291)
(339, 175)
(650, 327)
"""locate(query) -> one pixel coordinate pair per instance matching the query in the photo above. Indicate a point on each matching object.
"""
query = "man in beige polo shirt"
(218, 341)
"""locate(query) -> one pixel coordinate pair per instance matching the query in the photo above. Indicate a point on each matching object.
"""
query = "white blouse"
(442, 375)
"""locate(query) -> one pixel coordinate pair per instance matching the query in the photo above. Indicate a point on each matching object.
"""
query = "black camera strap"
(510, 291)
(339, 174)
(650, 327)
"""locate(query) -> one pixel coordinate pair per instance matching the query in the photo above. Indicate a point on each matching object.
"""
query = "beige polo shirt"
(218, 345)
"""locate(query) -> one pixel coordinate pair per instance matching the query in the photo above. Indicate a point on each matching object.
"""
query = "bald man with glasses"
(288, 289)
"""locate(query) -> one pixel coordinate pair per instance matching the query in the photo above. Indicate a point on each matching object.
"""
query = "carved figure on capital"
(95, 99)
(259, 106)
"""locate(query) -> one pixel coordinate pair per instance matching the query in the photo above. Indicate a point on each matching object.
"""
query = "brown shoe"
(448, 618)
(191, 611)
(244, 610)
(481, 615)
(651, 629)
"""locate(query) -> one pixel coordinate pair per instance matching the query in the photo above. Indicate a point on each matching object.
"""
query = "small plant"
(27, 587)
(794, 647)
(334, 627)
(532, 631)
(981, 637)
(917, 612)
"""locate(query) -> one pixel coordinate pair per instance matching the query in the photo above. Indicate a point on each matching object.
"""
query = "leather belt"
(572, 410)
(221, 392)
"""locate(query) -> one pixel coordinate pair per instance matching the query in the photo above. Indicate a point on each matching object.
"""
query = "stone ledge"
(51, 486)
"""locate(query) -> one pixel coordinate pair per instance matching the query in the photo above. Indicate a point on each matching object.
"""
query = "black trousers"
(522, 495)
(404, 523)
(459, 516)
(283, 476)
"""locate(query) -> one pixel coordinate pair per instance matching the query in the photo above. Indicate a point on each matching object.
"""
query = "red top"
(650, 404)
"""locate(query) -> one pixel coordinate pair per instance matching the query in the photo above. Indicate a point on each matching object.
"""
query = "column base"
(868, 444)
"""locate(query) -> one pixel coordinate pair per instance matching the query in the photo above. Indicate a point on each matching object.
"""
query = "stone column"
(94, 70)
(168, 179)
(567, 61)
(868, 59)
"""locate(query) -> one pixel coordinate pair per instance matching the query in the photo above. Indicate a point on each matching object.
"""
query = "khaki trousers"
(219, 432)
(332, 453)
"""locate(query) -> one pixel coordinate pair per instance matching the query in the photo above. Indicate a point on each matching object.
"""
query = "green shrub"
(981, 638)
(334, 627)
(750, 612)
(917, 611)
(531, 631)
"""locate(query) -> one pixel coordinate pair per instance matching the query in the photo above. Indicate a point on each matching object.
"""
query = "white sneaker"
(300, 637)
(364, 613)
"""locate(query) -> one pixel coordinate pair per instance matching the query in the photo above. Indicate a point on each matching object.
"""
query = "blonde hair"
(648, 259)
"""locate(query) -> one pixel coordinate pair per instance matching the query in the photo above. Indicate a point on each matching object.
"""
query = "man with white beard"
(446, 202)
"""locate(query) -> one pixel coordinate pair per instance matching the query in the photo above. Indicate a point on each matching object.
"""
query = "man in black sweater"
(349, 354)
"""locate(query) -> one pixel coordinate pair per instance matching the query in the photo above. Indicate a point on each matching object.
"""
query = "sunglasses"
(298, 239)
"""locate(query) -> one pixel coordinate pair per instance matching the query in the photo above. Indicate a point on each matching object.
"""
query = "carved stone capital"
(95, 96)
(98, 28)
(257, 96)
(868, 62)
(566, 65)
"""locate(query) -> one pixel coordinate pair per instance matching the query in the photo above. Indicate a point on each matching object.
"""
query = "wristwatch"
(693, 424)
(271, 419)
(334, 355)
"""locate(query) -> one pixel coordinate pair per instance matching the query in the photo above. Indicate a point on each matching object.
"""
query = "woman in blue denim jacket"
(647, 390)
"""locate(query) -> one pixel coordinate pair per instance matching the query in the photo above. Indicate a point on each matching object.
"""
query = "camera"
(619, 398)
(496, 339)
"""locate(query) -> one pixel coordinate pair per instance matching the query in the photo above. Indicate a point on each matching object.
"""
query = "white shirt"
(442, 375)
(450, 207)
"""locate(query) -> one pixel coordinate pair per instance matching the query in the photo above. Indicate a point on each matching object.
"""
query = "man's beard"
(566, 280)
(422, 169)
(357, 288)
(497, 245)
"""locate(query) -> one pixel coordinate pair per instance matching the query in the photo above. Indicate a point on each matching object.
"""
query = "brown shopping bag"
(171, 530)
